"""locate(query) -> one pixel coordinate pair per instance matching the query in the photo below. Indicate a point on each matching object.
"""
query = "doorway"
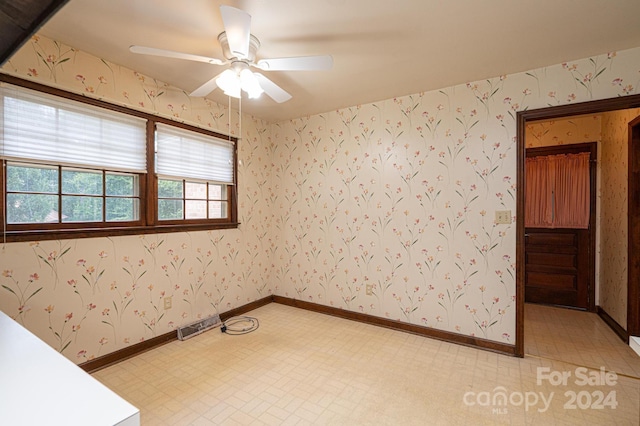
(524, 117)
(560, 225)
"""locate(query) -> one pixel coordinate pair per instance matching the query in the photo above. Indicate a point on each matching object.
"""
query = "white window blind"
(51, 129)
(185, 154)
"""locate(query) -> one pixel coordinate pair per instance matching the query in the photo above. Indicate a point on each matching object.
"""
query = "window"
(182, 199)
(49, 194)
(194, 172)
(80, 167)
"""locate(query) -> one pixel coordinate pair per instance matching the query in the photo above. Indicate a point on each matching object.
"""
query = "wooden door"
(557, 267)
(559, 263)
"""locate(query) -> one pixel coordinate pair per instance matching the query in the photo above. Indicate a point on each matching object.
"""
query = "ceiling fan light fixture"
(229, 82)
(232, 82)
(249, 84)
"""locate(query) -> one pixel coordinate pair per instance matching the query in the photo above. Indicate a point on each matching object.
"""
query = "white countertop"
(39, 386)
(634, 342)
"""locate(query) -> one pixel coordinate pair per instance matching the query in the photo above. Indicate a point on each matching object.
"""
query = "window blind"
(185, 154)
(45, 128)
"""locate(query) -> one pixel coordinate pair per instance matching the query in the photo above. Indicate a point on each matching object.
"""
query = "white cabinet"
(39, 386)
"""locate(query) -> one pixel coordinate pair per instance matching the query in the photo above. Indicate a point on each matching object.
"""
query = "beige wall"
(400, 195)
(564, 131)
(613, 223)
(397, 196)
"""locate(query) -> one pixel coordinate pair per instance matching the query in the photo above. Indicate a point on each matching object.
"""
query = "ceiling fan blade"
(274, 91)
(206, 88)
(300, 63)
(171, 54)
(237, 25)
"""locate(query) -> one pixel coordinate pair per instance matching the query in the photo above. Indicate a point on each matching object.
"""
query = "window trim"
(148, 223)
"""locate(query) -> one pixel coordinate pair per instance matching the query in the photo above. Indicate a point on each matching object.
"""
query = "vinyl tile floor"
(306, 368)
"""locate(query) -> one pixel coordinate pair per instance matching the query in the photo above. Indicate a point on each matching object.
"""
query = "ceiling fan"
(239, 47)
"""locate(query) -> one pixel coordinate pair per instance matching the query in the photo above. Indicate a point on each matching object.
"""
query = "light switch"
(503, 217)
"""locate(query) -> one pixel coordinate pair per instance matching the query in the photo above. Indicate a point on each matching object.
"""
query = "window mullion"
(150, 204)
(59, 194)
(206, 196)
(104, 196)
(184, 199)
(3, 207)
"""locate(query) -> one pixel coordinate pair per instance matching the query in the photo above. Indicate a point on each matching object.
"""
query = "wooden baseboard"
(246, 308)
(138, 348)
(447, 336)
(475, 342)
(617, 328)
(128, 352)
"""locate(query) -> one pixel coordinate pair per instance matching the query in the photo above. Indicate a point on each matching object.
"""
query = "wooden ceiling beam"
(20, 19)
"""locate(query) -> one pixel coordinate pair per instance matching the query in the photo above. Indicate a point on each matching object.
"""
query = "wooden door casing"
(633, 267)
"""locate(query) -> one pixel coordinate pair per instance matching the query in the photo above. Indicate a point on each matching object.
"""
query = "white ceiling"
(381, 49)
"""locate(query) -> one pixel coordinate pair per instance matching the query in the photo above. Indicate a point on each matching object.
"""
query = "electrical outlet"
(503, 217)
(167, 303)
(369, 289)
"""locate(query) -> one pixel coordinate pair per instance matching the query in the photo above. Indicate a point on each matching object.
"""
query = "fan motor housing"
(254, 45)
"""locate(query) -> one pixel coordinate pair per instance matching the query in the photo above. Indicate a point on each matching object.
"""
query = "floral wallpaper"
(90, 297)
(386, 208)
(398, 198)
(613, 223)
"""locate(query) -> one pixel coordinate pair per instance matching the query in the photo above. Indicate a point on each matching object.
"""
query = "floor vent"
(187, 331)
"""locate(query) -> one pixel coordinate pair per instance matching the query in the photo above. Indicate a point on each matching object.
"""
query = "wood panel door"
(560, 263)
(557, 267)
